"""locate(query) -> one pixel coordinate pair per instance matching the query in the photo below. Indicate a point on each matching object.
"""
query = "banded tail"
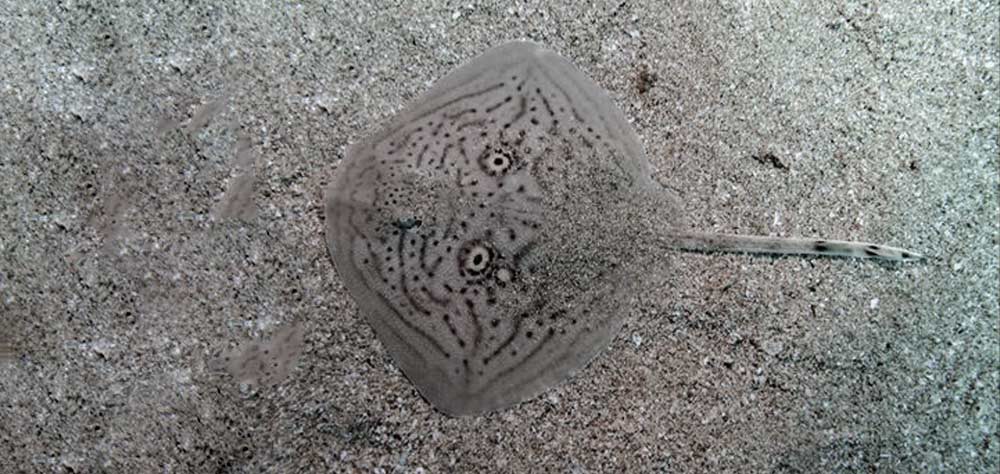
(709, 242)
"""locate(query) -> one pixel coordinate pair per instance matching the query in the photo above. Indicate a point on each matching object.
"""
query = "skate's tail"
(709, 242)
